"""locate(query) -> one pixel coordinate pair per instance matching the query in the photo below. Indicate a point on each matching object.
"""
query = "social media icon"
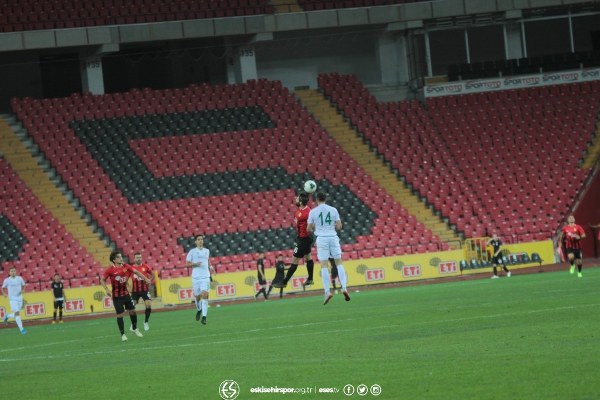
(375, 390)
(348, 390)
(229, 390)
(362, 389)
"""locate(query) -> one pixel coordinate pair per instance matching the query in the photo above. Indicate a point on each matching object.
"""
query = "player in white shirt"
(197, 258)
(15, 285)
(324, 220)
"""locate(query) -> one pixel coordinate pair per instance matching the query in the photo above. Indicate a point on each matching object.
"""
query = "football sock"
(269, 292)
(290, 272)
(133, 318)
(310, 267)
(54, 316)
(147, 314)
(280, 292)
(121, 325)
(325, 278)
(579, 266)
(204, 304)
(264, 292)
(198, 306)
(19, 322)
(342, 276)
(60, 314)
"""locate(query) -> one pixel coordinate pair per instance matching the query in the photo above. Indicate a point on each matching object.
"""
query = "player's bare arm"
(141, 276)
(103, 283)
(338, 225)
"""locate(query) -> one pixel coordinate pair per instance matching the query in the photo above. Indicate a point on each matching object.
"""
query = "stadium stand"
(154, 167)
(28, 15)
(488, 162)
(35, 243)
(311, 5)
(521, 66)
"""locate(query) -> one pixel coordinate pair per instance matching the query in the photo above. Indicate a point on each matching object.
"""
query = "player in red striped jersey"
(118, 274)
(304, 242)
(140, 289)
(572, 235)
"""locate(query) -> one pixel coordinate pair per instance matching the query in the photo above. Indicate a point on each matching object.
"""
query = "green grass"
(526, 337)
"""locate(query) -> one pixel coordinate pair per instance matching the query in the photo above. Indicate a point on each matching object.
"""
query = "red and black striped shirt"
(570, 241)
(140, 285)
(118, 277)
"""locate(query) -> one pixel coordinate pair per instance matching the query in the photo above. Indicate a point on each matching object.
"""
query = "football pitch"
(531, 336)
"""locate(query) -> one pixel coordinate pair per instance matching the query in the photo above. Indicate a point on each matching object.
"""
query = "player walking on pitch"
(572, 235)
(58, 291)
(198, 259)
(15, 285)
(118, 274)
(497, 259)
(140, 289)
(324, 221)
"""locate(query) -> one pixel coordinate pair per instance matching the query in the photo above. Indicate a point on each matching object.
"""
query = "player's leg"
(196, 288)
(505, 268)
(310, 264)
(579, 261)
(147, 311)
(204, 302)
(130, 307)
(571, 258)
(336, 253)
(120, 311)
(15, 307)
(55, 312)
(294, 265)
(61, 306)
(134, 299)
(494, 271)
(263, 289)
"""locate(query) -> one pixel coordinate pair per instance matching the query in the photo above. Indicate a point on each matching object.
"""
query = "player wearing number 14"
(324, 220)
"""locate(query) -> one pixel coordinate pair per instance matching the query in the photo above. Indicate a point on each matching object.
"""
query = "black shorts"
(123, 303)
(497, 260)
(135, 296)
(577, 253)
(59, 304)
(303, 246)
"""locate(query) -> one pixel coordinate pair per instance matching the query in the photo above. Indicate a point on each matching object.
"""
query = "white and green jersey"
(201, 256)
(324, 217)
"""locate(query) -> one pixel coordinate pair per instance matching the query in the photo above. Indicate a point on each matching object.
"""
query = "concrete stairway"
(285, 6)
(352, 143)
(39, 182)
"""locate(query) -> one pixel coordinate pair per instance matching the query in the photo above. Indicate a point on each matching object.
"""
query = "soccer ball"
(310, 186)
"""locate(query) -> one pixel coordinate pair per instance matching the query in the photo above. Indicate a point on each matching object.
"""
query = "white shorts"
(328, 247)
(200, 285)
(16, 305)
